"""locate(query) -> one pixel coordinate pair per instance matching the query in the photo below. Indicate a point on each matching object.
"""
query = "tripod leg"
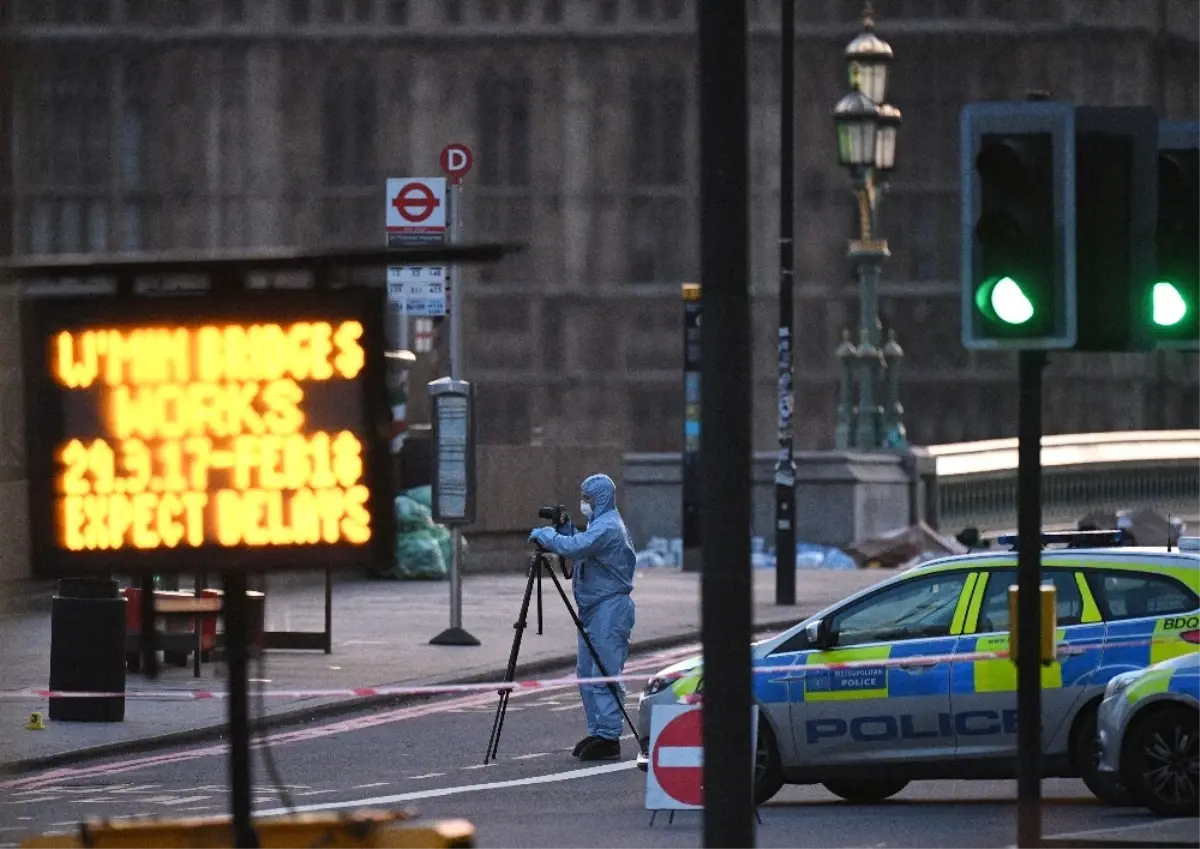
(612, 685)
(510, 672)
(539, 593)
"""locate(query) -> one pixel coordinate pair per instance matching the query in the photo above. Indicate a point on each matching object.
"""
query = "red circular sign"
(415, 202)
(678, 758)
(456, 160)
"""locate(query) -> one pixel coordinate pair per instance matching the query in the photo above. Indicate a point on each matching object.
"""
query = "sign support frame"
(456, 634)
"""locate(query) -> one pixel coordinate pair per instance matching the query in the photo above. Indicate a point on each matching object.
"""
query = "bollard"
(87, 650)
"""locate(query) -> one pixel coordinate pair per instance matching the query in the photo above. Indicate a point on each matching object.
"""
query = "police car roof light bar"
(1075, 539)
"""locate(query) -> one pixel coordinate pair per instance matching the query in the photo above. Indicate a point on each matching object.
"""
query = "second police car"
(1149, 726)
(866, 731)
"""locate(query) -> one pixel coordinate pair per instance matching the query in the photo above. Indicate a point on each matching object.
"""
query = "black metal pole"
(785, 466)
(725, 611)
(1029, 574)
(237, 635)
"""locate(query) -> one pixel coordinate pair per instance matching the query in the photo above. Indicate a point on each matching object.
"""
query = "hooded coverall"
(603, 580)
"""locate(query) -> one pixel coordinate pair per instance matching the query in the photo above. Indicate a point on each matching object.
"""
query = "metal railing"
(976, 482)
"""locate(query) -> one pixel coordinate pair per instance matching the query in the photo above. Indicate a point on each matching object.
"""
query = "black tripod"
(539, 561)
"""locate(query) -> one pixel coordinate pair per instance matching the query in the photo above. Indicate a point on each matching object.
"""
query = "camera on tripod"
(556, 515)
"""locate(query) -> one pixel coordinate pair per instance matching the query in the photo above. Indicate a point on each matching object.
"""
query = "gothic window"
(349, 125)
(658, 112)
(503, 120)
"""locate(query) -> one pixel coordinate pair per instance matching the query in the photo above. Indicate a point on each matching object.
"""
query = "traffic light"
(1171, 307)
(1059, 215)
(1116, 195)
(1017, 210)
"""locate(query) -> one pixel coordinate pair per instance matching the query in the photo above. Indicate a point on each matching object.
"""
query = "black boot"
(601, 749)
(582, 744)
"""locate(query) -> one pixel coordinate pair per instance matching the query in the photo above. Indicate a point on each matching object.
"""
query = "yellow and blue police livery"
(1149, 725)
(867, 729)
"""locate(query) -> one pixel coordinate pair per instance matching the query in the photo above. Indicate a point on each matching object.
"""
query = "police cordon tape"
(544, 683)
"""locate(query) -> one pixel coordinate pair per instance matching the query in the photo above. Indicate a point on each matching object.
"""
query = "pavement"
(427, 758)
(381, 631)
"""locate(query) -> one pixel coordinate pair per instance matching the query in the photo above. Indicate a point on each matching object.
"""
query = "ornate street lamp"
(867, 60)
(857, 119)
(887, 128)
(867, 130)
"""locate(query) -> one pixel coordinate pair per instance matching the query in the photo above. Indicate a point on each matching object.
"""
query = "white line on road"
(565, 707)
(372, 784)
(1093, 832)
(451, 791)
(428, 775)
(530, 757)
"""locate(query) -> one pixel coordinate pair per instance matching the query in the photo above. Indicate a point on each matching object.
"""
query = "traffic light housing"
(1017, 212)
(1116, 198)
(1059, 217)
(1171, 306)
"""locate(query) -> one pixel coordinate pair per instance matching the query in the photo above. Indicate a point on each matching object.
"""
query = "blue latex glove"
(542, 536)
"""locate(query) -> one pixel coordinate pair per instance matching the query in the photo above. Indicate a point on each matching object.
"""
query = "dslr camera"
(556, 515)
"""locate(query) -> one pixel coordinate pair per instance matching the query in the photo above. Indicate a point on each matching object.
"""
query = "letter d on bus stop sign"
(456, 160)
(675, 774)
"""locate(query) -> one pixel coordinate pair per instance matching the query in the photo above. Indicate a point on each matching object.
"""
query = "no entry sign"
(675, 775)
(456, 160)
(415, 212)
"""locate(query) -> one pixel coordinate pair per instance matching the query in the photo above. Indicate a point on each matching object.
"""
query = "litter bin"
(87, 650)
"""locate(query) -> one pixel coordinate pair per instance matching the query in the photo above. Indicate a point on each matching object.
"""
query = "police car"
(1149, 730)
(865, 731)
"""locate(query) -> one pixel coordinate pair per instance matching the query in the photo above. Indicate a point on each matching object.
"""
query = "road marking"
(530, 757)
(372, 784)
(1114, 829)
(316, 792)
(566, 707)
(479, 766)
(197, 808)
(371, 720)
(187, 799)
(428, 775)
(452, 791)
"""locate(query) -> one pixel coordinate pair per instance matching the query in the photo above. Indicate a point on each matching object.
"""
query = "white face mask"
(585, 509)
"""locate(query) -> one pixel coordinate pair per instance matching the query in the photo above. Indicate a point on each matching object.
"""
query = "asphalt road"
(428, 756)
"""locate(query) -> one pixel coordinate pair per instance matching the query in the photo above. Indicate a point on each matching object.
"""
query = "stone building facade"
(150, 124)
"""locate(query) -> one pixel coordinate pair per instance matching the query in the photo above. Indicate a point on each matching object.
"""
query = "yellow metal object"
(1049, 634)
(691, 291)
(1048, 638)
(359, 829)
(36, 722)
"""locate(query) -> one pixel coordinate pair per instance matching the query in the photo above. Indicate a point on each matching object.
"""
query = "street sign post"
(456, 160)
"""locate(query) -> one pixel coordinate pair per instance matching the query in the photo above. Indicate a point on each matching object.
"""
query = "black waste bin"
(87, 650)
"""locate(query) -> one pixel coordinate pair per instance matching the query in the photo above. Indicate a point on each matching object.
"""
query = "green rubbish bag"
(442, 534)
(422, 495)
(411, 515)
(419, 557)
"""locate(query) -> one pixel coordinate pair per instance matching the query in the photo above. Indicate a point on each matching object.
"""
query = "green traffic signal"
(1005, 300)
(1168, 306)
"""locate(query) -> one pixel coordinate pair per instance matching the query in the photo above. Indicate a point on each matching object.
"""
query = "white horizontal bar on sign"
(1000, 455)
(679, 757)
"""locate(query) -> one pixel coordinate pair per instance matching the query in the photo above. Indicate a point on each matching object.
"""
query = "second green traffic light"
(1169, 309)
(1174, 299)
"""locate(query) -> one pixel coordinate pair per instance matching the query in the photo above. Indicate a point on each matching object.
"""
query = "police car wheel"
(1085, 750)
(1161, 760)
(768, 771)
(866, 792)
